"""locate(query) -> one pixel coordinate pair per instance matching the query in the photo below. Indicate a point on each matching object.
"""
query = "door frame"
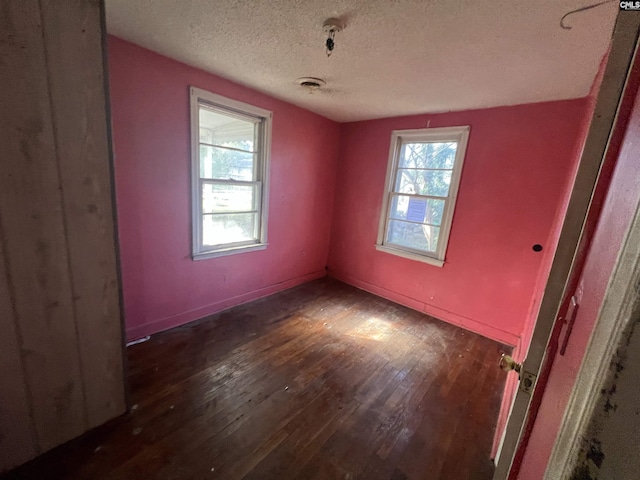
(605, 116)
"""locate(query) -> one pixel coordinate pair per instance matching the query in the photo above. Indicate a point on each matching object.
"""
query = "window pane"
(220, 229)
(418, 237)
(228, 198)
(428, 155)
(423, 182)
(226, 131)
(423, 210)
(225, 164)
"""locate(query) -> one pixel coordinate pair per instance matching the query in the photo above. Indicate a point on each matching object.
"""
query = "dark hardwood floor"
(322, 381)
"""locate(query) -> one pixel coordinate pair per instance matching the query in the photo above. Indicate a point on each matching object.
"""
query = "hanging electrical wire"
(331, 26)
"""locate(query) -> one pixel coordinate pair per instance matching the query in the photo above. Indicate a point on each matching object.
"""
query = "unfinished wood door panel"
(62, 350)
(18, 436)
(85, 181)
(34, 231)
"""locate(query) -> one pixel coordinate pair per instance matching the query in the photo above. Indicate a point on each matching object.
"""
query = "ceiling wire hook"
(582, 9)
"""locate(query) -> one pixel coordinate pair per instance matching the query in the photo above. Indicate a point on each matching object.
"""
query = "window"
(420, 194)
(230, 155)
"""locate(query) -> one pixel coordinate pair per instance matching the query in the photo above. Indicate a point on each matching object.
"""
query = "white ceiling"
(395, 57)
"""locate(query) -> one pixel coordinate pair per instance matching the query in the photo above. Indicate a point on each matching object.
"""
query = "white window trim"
(457, 134)
(198, 96)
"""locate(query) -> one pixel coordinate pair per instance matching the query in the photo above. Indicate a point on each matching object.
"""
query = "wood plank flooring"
(322, 381)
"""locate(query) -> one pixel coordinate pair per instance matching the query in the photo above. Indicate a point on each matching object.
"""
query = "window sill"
(229, 251)
(410, 255)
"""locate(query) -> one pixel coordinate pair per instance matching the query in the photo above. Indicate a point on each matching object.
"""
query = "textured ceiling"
(395, 57)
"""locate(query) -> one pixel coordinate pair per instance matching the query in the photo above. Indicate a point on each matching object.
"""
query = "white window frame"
(243, 111)
(460, 135)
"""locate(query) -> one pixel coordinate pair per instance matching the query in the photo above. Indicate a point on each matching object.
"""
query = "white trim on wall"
(457, 134)
(244, 111)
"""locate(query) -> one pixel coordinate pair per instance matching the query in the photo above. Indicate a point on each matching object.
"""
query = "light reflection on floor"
(373, 328)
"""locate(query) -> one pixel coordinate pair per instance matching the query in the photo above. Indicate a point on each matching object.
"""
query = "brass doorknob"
(507, 363)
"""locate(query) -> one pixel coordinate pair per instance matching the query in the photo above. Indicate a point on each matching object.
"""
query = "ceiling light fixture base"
(332, 25)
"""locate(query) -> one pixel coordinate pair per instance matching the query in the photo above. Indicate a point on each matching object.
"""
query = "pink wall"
(162, 286)
(616, 216)
(519, 167)
(517, 172)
